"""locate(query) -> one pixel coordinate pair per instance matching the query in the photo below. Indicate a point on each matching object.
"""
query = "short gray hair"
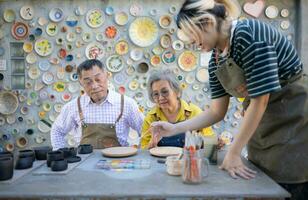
(163, 75)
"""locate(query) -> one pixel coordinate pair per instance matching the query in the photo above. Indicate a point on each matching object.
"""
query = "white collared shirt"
(106, 112)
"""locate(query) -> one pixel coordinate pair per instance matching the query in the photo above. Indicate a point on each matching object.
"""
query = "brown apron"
(279, 146)
(99, 135)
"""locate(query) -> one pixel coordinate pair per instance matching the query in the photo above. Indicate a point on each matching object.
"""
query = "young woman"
(251, 59)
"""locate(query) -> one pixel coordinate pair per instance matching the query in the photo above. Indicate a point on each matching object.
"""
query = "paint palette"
(123, 164)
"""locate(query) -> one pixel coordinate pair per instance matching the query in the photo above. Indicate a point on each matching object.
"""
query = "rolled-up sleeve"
(64, 123)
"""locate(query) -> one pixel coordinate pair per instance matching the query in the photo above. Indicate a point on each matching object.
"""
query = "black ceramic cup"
(27, 153)
(85, 149)
(41, 152)
(24, 162)
(66, 152)
(54, 155)
(6, 168)
(58, 165)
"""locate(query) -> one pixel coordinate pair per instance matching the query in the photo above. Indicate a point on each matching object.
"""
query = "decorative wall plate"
(168, 56)
(121, 18)
(48, 78)
(56, 14)
(136, 54)
(285, 13)
(155, 60)
(187, 61)
(19, 30)
(272, 12)
(42, 21)
(80, 11)
(44, 65)
(135, 9)
(178, 45)
(121, 47)
(52, 29)
(43, 47)
(143, 31)
(114, 63)
(202, 75)
(66, 97)
(109, 10)
(165, 41)
(254, 9)
(285, 24)
(71, 21)
(95, 50)
(34, 73)
(27, 47)
(95, 18)
(165, 21)
(9, 15)
(27, 12)
(8, 103)
(111, 32)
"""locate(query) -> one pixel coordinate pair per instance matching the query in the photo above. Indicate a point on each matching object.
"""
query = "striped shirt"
(107, 112)
(265, 55)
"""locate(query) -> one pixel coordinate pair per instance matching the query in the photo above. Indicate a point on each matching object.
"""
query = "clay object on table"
(54, 155)
(24, 162)
(41, 152)
(27, 153)
(85, 149)
(58, 165)
(6, 168)
(73, 159)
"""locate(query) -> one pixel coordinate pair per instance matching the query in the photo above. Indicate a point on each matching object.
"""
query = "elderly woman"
(164, 90)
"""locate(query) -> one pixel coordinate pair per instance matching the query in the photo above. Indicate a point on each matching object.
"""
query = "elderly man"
(103, 116)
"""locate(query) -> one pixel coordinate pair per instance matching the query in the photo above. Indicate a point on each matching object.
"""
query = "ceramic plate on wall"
(9, 15)
(271, 12)
(52, 29)
(48, 78)
(8, 103)
(187, 61)
(19, 30)
(114, 63)
(135, 10)
(44, 65)
(121, 18)
(27, 12)
(143, 31)
(136, 54)
(165, 41)
(165, 21)
(155, 60)
(121, 47)
(27, 47)
(31, 58)
(95, 50)
(43, 47)
(56, 15)
(95, 18)
(34, 73)
(202, 75)
(168, 57)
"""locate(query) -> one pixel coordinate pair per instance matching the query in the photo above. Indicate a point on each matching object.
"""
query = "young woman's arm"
(232, 161)
(210, 116)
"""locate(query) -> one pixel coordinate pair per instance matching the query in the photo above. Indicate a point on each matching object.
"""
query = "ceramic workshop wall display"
(131, 38)
(143, 31)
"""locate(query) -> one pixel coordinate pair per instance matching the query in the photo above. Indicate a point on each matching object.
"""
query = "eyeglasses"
(164, 93)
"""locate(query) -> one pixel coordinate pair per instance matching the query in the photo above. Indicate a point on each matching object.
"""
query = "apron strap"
(122, 108)
(80, 112)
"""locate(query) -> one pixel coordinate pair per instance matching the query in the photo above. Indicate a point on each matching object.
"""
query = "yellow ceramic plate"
(43, 47)
(95, 18)
(187, 61)
(9, 15)
(121, 18)
(27, 47)
(121, 47)
(143, 31)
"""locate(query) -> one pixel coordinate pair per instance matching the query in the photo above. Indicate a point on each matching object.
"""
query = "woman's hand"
(163, 129)
(154, 141)
(235, 167)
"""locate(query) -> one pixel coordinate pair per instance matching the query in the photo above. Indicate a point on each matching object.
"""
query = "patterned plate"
(143, 31)
(19, 30)
(27, 12)
(187, 61)
(202, 75)
(52, 29)
(121, 47)
(43, 47)
(121, 18)
(9, 15)
(114, 63)
(95, 18)
(168, 57)
(95, 50)
(56, 15)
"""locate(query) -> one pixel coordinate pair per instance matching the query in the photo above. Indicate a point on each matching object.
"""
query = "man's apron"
(279, 146)
(99, 135)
